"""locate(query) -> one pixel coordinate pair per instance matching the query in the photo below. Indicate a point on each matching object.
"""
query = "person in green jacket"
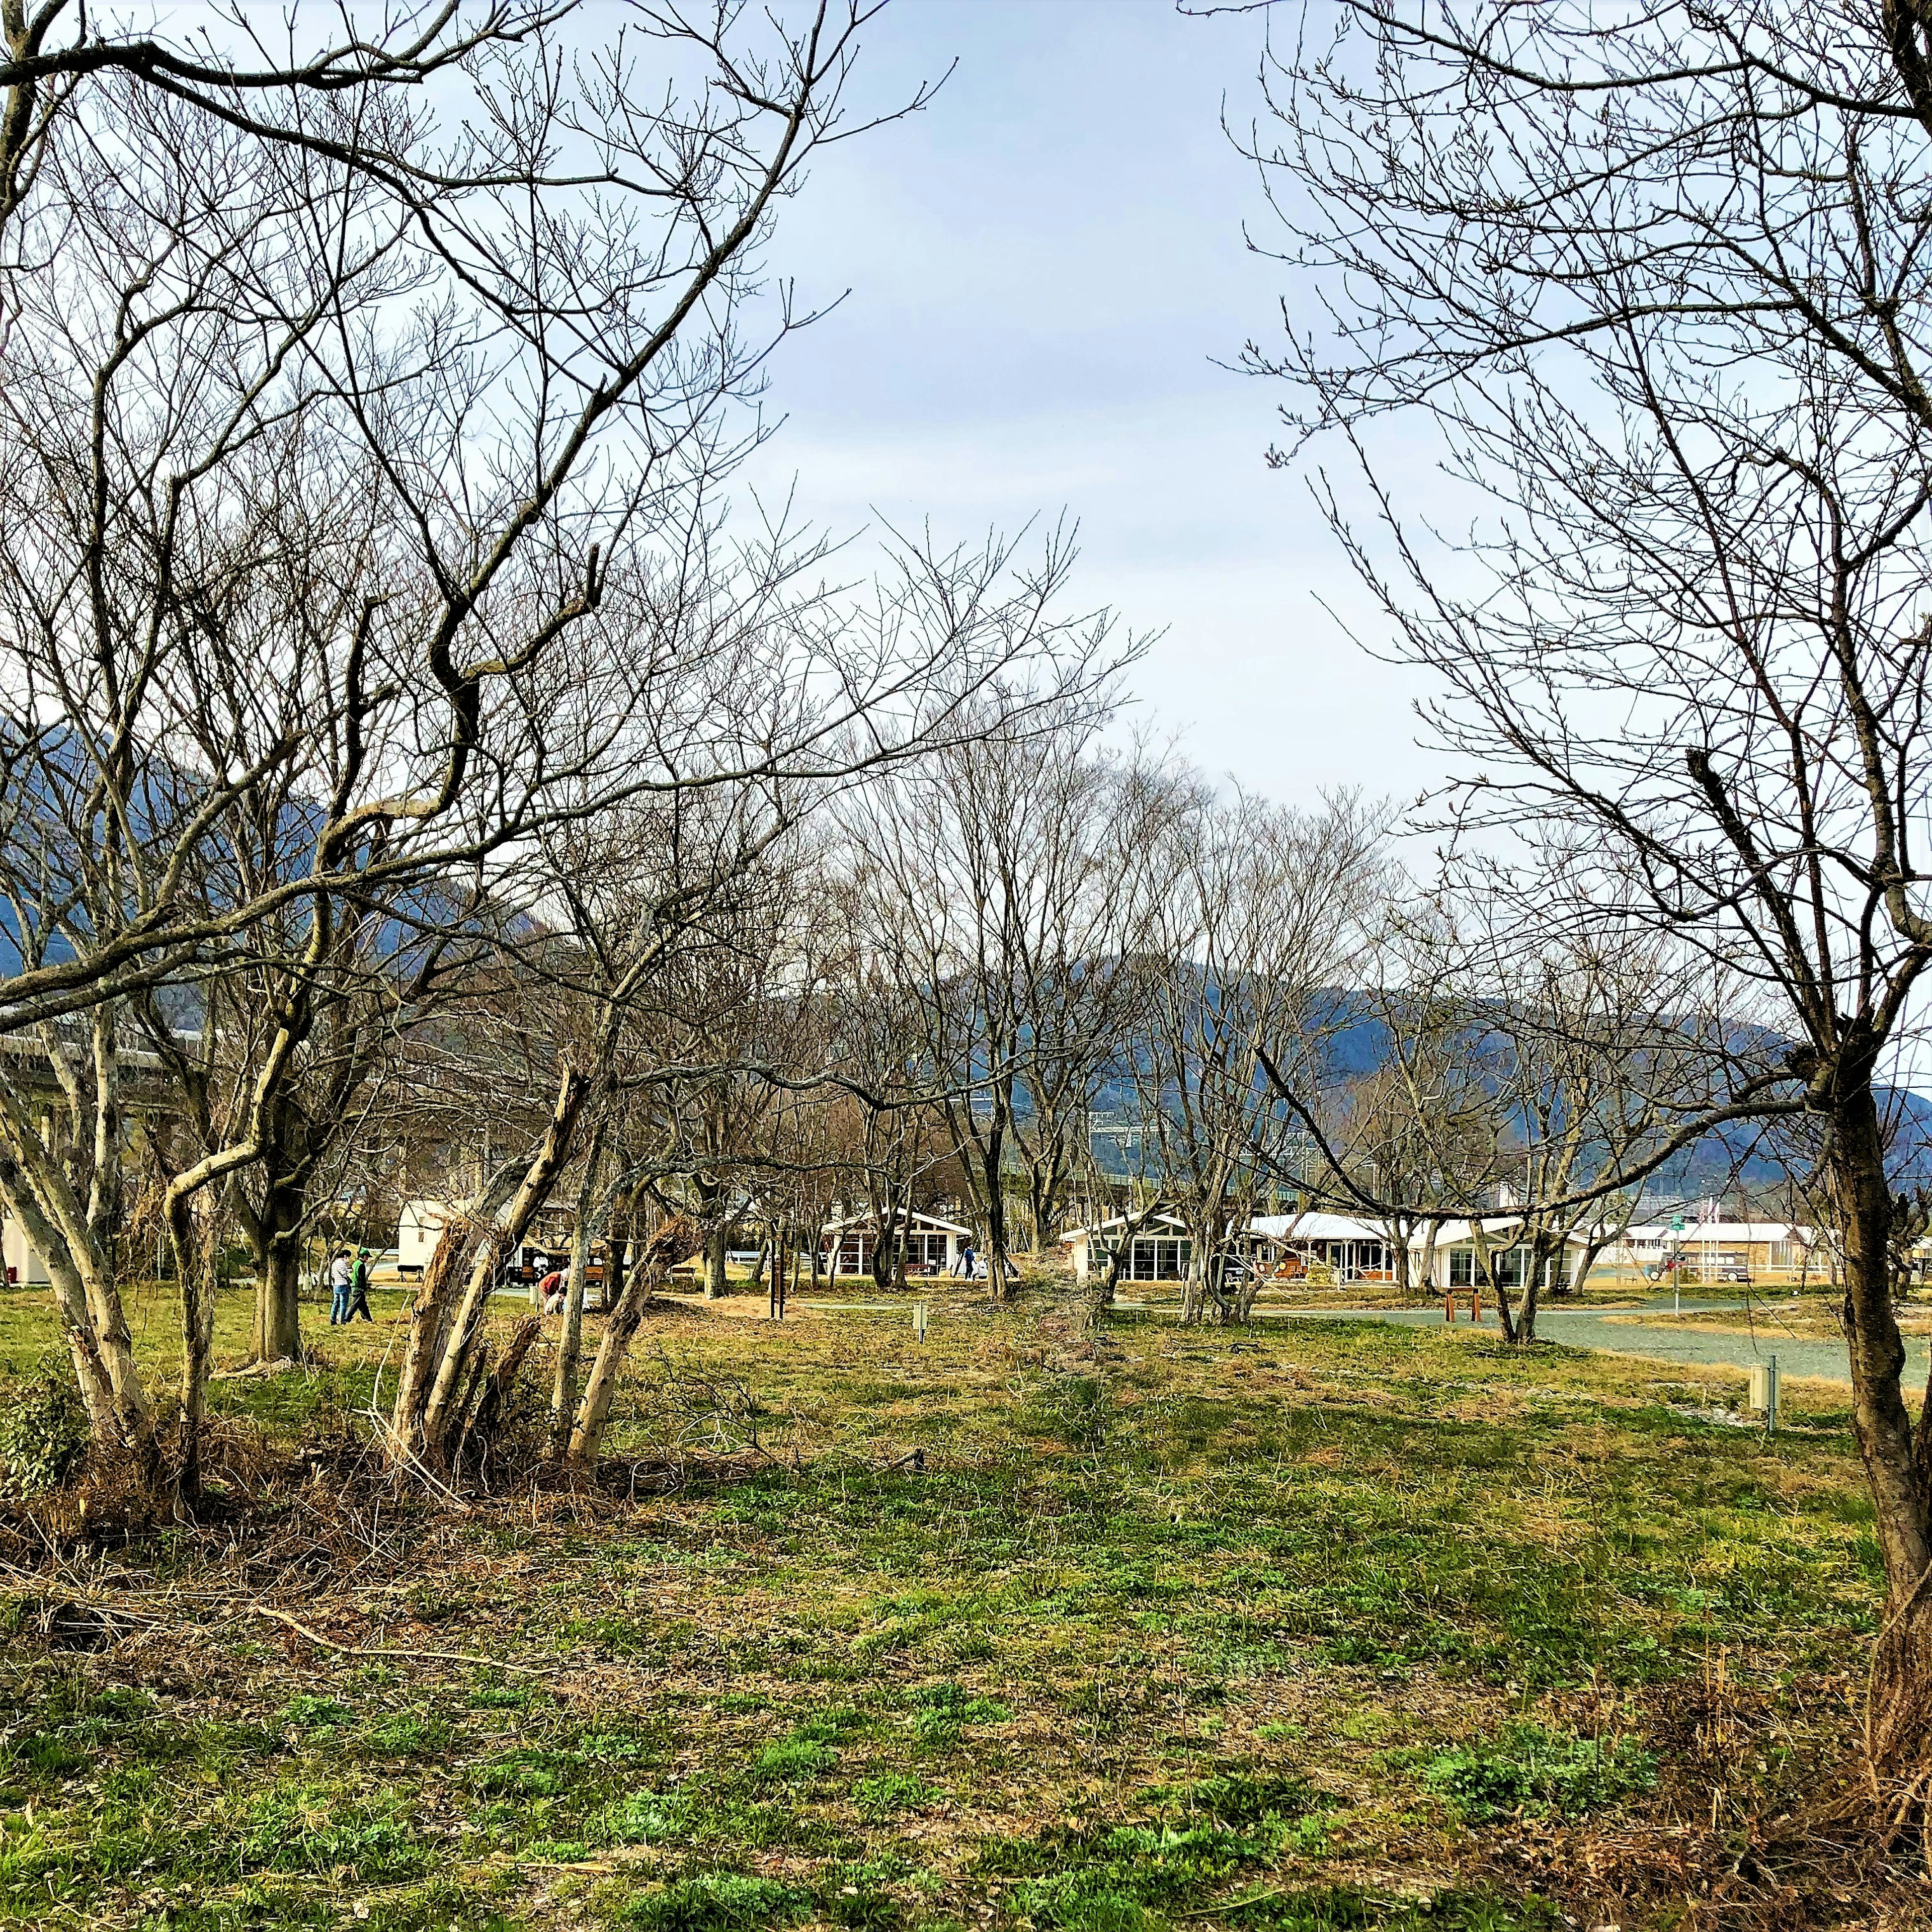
(358, 1287)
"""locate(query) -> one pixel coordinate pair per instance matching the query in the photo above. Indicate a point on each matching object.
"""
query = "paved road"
(1661, 1339)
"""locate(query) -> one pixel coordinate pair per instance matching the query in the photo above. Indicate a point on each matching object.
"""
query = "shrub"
(43, 1434)
(643, 1817)
(308, 1713)
(1077, 1409)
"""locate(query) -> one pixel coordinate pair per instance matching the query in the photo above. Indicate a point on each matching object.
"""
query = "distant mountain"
(1750, 1155)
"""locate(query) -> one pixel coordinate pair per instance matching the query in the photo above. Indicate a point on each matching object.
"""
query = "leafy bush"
(408, 1734)
(314, 1828)
(1077, 1409)
(1240, 1799)
(43, 1434)
(1107, 1880)
(308, 1713)
(526, 1772)
(1528, 1769)
(499, 1697)
(1346, 1909)
(835, 1722)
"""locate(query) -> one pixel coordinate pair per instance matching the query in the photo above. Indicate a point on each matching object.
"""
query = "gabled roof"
(862, 1221)
(1154, 1224)
(1449, 1233)
(1316, 1227)
(1692, 1232)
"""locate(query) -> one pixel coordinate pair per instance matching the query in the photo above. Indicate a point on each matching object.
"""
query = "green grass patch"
(1527, 1768)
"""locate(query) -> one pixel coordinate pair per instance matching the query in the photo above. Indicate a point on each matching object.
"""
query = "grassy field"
(1322, 1626)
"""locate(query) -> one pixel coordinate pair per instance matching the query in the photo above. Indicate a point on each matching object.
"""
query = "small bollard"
(919, 1312)
(1449, 1306)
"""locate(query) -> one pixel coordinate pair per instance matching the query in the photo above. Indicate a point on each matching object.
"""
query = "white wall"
(24, 1264)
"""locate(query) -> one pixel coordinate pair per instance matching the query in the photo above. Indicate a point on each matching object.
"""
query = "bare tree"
(1004, 883)
(260, 547)
(1653, 274)
(1263, 913)
(328, 95)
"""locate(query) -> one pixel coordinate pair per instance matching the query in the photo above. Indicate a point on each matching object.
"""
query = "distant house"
(931, 1244)
(1353, 1249)
(1508, 1255)
(419, 1227)
(1719, 1250)
(1161, 1250)
(26, 1266)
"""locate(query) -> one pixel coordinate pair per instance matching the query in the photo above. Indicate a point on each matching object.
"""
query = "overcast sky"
(1044, 269)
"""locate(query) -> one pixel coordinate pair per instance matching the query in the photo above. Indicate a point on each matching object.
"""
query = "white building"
(1161, 1251)
(1353, 1249)
(1508, 1255)
(26, 1267)
(419, 1226)
(1719, 1250)
(931, 1244)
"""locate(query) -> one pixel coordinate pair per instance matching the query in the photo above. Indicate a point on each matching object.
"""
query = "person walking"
(339, 1277)
(966, 1259)
(358, 1288)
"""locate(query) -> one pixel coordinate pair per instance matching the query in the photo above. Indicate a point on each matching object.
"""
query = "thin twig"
(371, 1650)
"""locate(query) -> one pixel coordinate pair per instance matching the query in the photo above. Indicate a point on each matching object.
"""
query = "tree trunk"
(277, 1334)
(617, 1252)
(1483, 1274)
(666, 1246)
(1898, 1718)
(1194, 1289)
(1399, 1231)
(715, 1282)
(429, 1322)
(459, 1341)
(197, 1330)
(1430, 1231)
(586, 1435)
(95, 1322)
(569, 1344)
(993, 1169)
(480, 1419)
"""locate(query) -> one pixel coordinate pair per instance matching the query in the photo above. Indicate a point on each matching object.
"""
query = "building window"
(1154, 1259)
(1461, 1268)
